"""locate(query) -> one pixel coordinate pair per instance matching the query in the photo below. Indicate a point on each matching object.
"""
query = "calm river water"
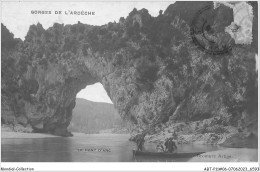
(82, 148)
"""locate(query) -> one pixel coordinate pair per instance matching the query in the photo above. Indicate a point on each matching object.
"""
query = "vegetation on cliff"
(149, 66)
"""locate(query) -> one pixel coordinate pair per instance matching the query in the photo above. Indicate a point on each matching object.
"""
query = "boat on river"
(166, 155)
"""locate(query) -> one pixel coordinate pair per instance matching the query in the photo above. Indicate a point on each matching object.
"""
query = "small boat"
(166, 155)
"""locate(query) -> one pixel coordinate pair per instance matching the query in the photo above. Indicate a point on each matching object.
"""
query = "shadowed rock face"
(149, 66)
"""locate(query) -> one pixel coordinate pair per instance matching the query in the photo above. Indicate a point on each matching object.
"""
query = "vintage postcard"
(129, 85)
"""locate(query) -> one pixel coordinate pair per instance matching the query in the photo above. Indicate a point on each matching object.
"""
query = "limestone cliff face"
(149, 66)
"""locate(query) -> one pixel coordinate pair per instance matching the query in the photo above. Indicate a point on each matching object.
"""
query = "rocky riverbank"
(208, 131)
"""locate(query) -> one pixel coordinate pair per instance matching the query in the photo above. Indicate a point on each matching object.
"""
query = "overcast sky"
(17, 17)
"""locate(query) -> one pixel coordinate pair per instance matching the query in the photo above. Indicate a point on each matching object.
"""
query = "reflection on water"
(59, 149)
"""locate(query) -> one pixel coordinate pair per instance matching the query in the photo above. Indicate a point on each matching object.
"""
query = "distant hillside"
(92, 117)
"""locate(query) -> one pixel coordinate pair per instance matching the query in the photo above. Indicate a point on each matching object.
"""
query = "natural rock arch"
(148, 65)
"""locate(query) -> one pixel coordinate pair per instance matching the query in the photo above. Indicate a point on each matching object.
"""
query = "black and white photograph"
(131, 82)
